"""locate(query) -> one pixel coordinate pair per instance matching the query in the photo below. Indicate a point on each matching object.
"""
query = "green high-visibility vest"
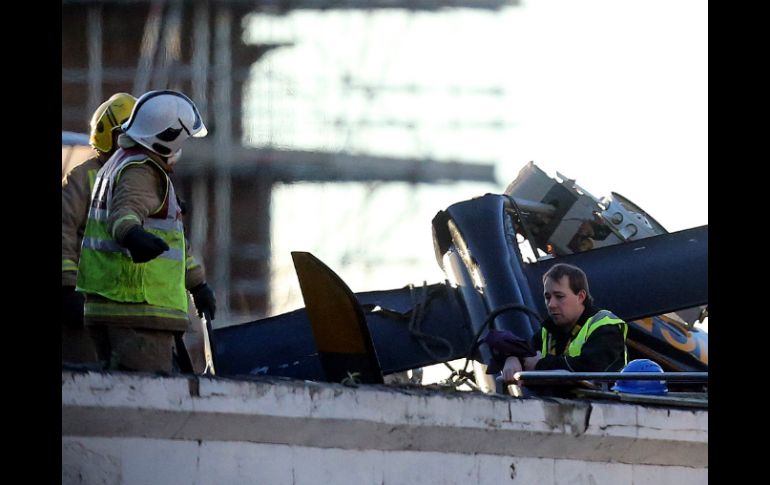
(106, 267)
(575, 347)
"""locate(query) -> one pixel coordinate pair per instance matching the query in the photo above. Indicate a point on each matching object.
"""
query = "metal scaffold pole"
(222, 141)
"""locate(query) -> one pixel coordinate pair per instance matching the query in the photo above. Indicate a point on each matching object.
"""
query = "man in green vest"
(576, 336)
(133, 261)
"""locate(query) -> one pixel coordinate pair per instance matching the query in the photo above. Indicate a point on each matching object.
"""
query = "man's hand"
(142, 245)
(511, 367)
(530, 362)
(205, 301)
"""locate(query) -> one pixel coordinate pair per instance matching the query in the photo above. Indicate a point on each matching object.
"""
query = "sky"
(619, 99)
(611, 93)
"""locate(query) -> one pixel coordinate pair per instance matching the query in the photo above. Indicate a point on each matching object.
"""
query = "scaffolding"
(200, 47)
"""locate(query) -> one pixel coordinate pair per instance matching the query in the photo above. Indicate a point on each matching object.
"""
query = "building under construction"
(200, 48)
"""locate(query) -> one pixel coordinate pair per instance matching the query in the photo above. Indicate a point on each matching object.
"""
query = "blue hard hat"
(641, 387)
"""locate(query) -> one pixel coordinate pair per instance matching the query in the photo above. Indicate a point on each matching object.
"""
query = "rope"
(488, 321)
(415, 324)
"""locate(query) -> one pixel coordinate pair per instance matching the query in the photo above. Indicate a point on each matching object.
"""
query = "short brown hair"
(577, 279)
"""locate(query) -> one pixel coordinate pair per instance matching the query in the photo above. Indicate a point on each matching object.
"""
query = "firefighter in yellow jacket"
(75, 197)
(132, 266)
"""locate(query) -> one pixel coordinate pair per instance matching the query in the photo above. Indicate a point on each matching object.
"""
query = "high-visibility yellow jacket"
(119, 291)
(608, 350)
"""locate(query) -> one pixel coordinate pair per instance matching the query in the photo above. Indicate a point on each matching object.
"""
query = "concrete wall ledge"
(323, 415)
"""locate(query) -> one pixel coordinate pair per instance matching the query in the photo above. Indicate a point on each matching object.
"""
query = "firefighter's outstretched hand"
(511, 367)
(205, 300)
(142, 245)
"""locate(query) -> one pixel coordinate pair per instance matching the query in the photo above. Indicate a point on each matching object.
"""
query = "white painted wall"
(139, 429)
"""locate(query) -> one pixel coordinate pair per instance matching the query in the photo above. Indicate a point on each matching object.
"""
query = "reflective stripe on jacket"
(76, 190)
(106, 268)
(575, 347)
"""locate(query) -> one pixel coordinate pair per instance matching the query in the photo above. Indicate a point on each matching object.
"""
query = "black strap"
(182, 356)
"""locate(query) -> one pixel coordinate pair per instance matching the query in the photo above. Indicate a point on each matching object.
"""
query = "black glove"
(72, 306)
(142, 245)
(205, 301)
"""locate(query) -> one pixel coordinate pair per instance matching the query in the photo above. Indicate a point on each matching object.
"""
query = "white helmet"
(162, 120)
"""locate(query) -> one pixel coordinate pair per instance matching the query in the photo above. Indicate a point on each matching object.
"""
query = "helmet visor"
(198, 129)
